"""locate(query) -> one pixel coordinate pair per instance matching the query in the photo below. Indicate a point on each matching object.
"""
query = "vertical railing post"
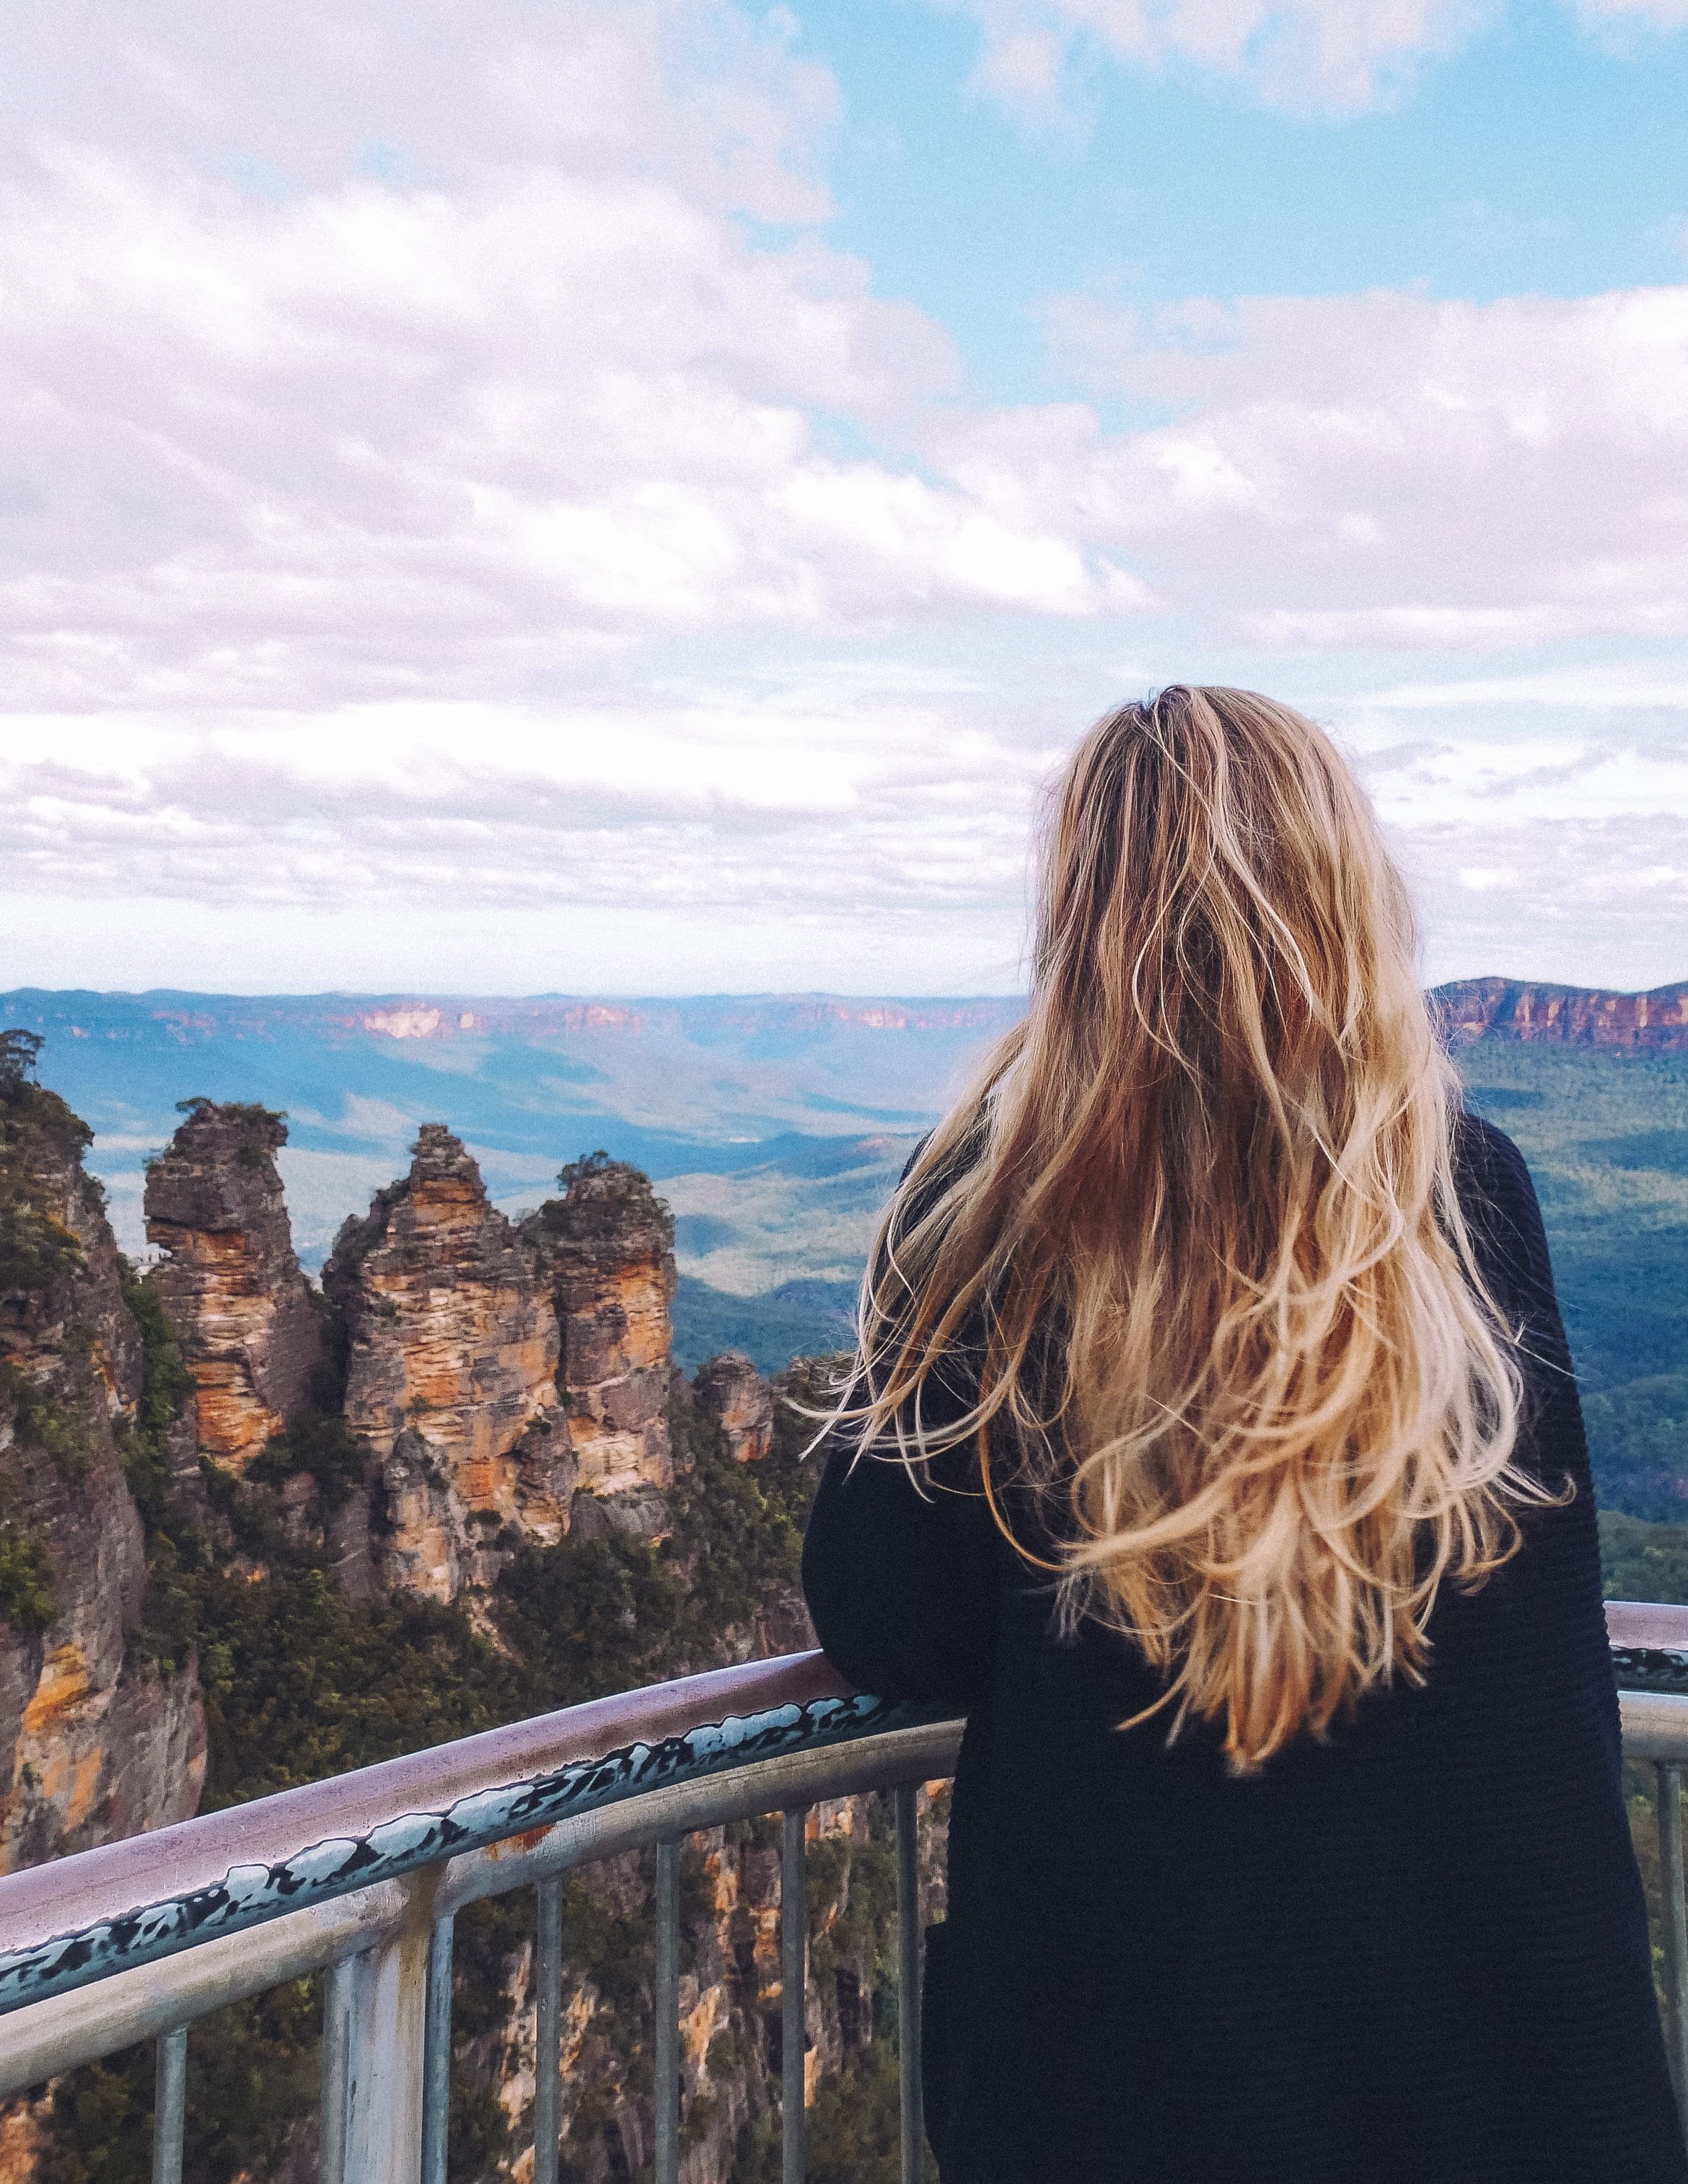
(548, 2029)
(170, 2105)
(1675, 1914)
(437, 2054)
(336, 2057)
(908, 1985)
(667, 2013)
(385, 2073)
(794, 1949)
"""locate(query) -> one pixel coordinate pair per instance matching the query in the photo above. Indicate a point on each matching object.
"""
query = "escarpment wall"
(1563, 1016)
(96, 1740)
(229, 1279)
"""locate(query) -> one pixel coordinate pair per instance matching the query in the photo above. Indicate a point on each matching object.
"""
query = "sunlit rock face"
(250, 1332)
(742, 1403)
(452, 1373)
(607, 1249)
(1563, 1016)
(95, 1743)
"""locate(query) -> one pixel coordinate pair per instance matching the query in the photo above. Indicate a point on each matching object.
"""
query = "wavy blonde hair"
(1191, 1242)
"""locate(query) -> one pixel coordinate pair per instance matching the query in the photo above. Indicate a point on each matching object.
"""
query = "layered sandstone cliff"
(95, 1741)
(742, 1403)
(1564, 1016)
(606, 1248)
(250, 1334)
(451, 1374)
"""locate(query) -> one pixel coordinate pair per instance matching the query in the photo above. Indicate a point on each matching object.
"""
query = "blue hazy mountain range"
(775, 1126)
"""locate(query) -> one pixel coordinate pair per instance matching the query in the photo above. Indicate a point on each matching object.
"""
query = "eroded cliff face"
(94, 1741)
(452, 1374)
(606, 1248)
(250, 1333)
(742, 1403)
(731, 1991)
(1564, 1016)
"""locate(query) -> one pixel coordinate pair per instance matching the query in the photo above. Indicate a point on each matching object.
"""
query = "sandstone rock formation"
(607, 1249)
(741, 1401)
(94, 1741)
(1565, 1015)
(451, 1372)
(250, 1334)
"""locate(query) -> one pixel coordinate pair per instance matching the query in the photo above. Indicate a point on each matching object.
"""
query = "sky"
(639, 495)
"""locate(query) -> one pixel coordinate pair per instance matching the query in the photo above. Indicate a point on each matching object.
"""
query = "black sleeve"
(1505, 1219)
(900, 1571)
(1552, 1871)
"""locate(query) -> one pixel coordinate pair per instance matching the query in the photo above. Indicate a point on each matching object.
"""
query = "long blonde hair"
(1192, 1240)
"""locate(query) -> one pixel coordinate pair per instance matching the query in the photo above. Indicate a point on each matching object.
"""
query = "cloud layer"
(456, 490)
(1335, 56)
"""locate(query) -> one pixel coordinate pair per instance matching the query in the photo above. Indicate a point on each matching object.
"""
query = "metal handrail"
(362, 1877)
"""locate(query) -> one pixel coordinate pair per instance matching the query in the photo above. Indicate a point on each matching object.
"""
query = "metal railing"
(362, 1877)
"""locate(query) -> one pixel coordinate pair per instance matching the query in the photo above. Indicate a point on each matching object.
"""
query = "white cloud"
(1337, 54)
(1385, 470)
(529, 396)
(1622, 15)
(1329, 55)
(463, 522)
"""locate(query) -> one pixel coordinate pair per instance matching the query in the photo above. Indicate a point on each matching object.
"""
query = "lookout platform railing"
(361, 1877)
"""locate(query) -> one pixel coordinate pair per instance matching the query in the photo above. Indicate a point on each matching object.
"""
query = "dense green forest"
(1605, 1134)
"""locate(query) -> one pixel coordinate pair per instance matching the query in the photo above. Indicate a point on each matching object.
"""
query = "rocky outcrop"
(606, 1248)
(251, 1334)
(1566, 1015)
(734, 1394)
(94, 1741)
(452, 1373)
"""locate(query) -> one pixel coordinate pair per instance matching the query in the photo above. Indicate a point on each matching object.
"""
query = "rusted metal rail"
(362, 1877)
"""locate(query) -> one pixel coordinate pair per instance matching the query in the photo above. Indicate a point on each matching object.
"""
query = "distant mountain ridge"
(1567, 1016)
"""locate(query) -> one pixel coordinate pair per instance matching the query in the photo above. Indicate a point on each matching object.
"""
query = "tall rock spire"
(607, 1248)
(451, 1373)
(250, 1334)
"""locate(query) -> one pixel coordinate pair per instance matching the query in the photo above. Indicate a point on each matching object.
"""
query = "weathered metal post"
(667, 1999)
(170, 2105)
(1675, 1920)
(337, 2000)
(548, 2003)
(908, 1985)
(385, 2080)
(437, 2054)
(794, 1949)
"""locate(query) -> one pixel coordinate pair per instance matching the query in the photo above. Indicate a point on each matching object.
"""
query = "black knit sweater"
(1414, 1954)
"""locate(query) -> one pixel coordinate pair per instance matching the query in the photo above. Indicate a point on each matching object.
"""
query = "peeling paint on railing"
(249, 1895)
(1650, 1668)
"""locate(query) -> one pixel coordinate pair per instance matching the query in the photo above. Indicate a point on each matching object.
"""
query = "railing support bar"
(1675, 1927)
(908, 1985)
(336, 2061)
(389, 2019)
(170, 2105)
(794, 1948)
(437, 2054)
(667, 2013)
(548, 2004)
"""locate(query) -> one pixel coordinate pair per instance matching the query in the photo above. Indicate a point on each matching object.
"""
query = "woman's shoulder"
(1485, 1157)
(1497, 1194)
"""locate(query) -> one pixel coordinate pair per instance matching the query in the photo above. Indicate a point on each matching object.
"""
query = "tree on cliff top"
(604, 1198)
(39, 1133)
